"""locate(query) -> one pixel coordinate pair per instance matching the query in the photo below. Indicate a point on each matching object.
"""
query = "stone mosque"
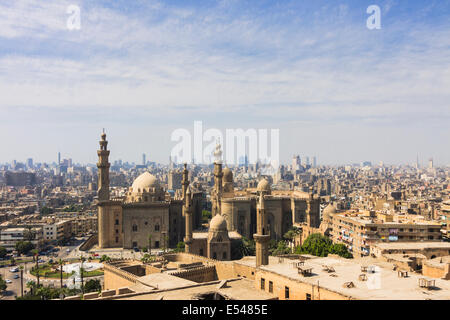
(147, 209)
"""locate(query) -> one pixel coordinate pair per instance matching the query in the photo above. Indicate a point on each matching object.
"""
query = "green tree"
(46, 211)
(105, 258)
(93, 285)
(247, 247)
(341, 250)
(316, 244)
(3, 285)
(23, 247)
(206, 215)
(281, 248)
(180, 247)
(3, 252)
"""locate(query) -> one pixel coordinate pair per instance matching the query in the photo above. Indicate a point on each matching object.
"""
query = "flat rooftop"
(413, 245)
(235, 289)
(382, 285)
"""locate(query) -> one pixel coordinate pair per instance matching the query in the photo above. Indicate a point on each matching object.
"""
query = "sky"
(140, 69)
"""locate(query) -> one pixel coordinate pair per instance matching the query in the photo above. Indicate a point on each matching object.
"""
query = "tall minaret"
(103, 169)
(262, 236)
(185, 181)
(187, 208)
(218, 174)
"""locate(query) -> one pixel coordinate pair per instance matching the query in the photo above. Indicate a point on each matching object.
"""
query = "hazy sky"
(141, 69)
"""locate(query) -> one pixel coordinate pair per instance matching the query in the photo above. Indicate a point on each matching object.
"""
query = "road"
(13, 288)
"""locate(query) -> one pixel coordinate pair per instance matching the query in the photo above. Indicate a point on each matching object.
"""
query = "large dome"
(144, 181)
(263, 185)
(218, 223)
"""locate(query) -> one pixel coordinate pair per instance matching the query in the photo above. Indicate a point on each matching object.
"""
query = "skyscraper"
(144, 162)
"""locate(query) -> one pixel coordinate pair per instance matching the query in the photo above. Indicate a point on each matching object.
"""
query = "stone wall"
(199, 275)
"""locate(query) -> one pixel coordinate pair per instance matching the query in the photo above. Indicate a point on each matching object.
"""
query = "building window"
(135, 229)
(263, 284)
(117, 230)
(117, 222)
(117, 239)
(286, 292)
(270, 286)
(214, 255)
(224, 256)
(201, 252)
(156, 244)
(135, 244)
(146, 223)
(308, 296)
(156, 227)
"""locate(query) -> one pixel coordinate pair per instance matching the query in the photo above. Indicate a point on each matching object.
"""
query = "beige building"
(57, 231)
(360, 231)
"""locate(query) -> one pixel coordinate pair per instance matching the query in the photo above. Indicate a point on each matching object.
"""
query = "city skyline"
(333, 87)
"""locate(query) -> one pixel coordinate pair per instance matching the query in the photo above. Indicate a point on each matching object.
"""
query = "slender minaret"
(218, 174)
(185, 181)
(261, 236)
(187, 208)
(103, 169)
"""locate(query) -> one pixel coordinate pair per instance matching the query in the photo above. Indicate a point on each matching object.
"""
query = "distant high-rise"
(430, 163)
(307, 161)
(314, 162)
(30, 163)
(144, 162)
(59, 158)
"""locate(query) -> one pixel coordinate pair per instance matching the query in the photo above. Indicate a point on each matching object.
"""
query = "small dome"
(263, 185)
(227, 175)
(218, 223)
(144, 181)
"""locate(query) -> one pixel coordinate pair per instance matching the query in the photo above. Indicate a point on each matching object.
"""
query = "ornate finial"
(218, 152)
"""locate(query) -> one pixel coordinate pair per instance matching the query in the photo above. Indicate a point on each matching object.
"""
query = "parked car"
(41, 261)
(16, 276)
(8, 281)
(67, 250)
(136, 249)
(16, 269)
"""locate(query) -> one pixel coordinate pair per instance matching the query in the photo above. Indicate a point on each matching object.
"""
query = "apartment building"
(10, 236)
(57, 231)
(360, 231)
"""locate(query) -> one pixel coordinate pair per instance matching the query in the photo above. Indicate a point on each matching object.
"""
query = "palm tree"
(36, 257)
(61, 272)
(21, 280)
(82, 259)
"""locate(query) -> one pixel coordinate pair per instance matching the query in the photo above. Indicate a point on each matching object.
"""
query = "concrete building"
(10, 236)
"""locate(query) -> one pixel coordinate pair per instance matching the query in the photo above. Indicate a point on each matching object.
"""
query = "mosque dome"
(227, 175)
(218, 223)
(263, 186)
(144, 181)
